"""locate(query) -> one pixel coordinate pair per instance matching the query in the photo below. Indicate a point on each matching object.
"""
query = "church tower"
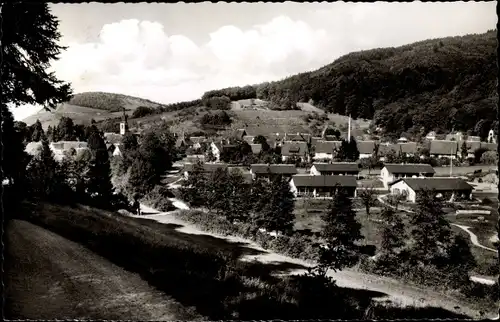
(124, 123)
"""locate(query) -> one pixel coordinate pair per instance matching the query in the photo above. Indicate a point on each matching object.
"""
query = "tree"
(195, 187)
(238, 202)
(65, 129)
(340, 233)
(260, 139)
(142, 177)
(45, 179)
(209, 156)
(348, 151)
(277, 214)
(154, 151)
(50, 134)
(368, 198)
(218, 192)
(464, 151)
(130, 146)
(460, 260)
(37, 132)
(489, 157)
(430, 230)
(28, 49)
(393, 233)
(390, 156)
(14, 159)
(99, 185)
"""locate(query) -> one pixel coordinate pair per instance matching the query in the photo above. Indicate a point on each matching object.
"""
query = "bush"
(142, 111)
(158, 199)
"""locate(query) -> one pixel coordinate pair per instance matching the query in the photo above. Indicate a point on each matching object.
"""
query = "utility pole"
(451, 161)
(349, 130)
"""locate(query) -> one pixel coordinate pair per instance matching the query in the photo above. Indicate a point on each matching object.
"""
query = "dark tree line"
(65, 130)
(232, 93)
(436, 84)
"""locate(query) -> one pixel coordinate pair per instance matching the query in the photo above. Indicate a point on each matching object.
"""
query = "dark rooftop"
(438, 184)
(323, 181)
(409, 168)
(337, 166)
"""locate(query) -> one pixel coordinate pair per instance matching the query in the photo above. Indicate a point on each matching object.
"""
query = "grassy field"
(308, 214)
(308, 219)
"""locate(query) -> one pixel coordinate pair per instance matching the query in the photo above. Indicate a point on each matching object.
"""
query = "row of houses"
(324, 179)
(298, 147)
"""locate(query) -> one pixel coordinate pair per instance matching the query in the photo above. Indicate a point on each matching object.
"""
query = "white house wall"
(314, 171)
(365, 155)
(321, 156)
(402, 186)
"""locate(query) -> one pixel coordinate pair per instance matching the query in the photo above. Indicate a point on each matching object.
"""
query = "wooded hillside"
(436, 84)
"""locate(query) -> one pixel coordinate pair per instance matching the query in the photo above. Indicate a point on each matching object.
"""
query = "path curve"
(397, 291)
(474, 238)
(50, 277)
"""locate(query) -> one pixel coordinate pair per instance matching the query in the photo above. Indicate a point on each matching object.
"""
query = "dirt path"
(49, 277)
(474, 238)
(397, 292)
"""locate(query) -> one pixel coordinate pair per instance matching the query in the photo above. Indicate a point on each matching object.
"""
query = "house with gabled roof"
(366, 148)
(444, 188)
(270, 171)
(392, 172)
(335, 168)
(196, 142)
(444, 149)
(325, 150)
(304, 185)
(294, 149)
(301, 137)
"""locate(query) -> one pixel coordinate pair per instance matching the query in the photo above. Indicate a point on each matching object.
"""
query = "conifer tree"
(277, 214)
(431, 232)
(393, 233)
(194, 189)
(340, 233)
(99, 185)
(37, 132)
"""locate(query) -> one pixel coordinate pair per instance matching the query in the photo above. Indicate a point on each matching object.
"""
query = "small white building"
(444, 149)
(393, 172)
(324, 150)
(445, 188)
(366, 149)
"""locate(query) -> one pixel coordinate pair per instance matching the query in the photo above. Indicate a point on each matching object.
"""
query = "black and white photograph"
(247, 161)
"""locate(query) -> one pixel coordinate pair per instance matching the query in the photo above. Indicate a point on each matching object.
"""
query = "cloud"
(141, 58)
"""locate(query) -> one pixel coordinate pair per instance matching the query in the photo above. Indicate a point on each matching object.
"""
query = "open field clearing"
(49, 277)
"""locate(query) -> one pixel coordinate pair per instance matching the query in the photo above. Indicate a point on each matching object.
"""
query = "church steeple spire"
(124, 123)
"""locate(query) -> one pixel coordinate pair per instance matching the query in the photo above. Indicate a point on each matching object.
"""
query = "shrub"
(158, 199)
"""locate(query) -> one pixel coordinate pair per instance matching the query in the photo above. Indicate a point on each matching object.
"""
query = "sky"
(175, 52)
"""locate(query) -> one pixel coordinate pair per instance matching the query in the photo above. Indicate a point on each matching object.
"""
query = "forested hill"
(435, 84)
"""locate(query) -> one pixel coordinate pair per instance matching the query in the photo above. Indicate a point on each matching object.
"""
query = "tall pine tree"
(340, 233)
(37, 132)
(431, 231)
(277, 214)
(99, 185)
